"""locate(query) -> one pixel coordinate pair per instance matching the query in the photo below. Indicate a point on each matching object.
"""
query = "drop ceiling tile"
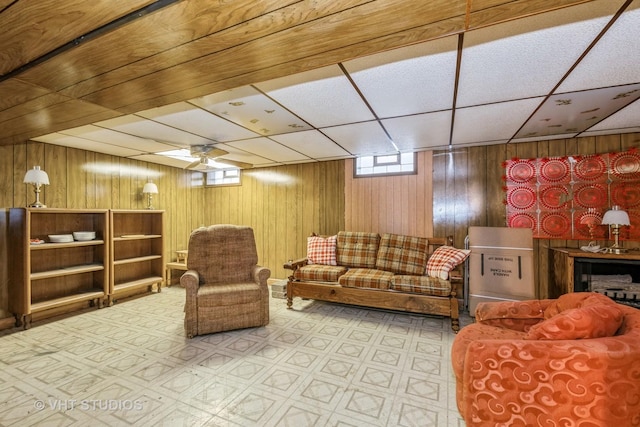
(415, 79)
(625, 120)
(268, 149)
(193, 119)
(252, 110)
(495, 123)
(361, 138)
(143, 128)
(569, 113)
(85, 144)
(311, 143)
(611, 61)
(527, 57)
(322, 97)
(421, 131)
(111, 137)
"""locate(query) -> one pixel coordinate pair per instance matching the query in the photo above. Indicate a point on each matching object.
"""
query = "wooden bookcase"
(136, 251)
(49, 276)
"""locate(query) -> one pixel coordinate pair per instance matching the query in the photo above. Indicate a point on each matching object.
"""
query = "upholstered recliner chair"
(225, 288)
(573, 361)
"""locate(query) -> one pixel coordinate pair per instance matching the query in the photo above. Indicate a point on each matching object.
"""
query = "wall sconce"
(149, 189)
(38, 178)
(615, 218)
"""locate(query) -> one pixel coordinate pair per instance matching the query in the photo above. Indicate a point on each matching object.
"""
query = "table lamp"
(38, 178)
(615, 218)
(149, 189)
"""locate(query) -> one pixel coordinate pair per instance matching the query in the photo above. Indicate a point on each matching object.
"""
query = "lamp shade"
(36, 176)
(615, 216)
(150, 188)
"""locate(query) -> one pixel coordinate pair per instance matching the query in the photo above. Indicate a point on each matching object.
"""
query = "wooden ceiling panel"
(351, 27)
(160, 41)
(31, 29)
(334, 56)
(56, 117)
(15, 92)
(233, 34)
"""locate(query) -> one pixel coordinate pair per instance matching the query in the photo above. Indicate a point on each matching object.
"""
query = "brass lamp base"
(615, 250)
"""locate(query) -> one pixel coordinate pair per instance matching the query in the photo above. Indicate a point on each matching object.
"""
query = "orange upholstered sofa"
(573, 361)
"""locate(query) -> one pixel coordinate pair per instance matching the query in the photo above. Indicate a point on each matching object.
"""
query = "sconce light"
(149, 189)
(615, 218)
(38, 178)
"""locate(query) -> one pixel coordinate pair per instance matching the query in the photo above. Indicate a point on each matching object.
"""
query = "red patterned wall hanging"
(566, 197)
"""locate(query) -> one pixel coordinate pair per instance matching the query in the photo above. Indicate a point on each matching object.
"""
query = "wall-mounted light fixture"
(615, 218)
(38, 178)
(150, 189)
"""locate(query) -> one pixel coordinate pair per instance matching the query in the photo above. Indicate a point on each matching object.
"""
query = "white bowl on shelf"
(84, 235)
(60, 238)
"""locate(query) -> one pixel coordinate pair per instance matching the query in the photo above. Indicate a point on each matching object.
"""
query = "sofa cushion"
(366, 278)
(319, 273)
(321, 250)
(575, 300)
(444, 259)
(357, 249)
(421, 285)
(402, 254)
(592, 321)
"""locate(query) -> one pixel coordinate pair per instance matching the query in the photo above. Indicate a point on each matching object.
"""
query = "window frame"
(376, 163)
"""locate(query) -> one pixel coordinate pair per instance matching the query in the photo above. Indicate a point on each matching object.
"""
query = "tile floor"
(319, 365)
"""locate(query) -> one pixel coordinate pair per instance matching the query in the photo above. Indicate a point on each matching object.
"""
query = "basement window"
(223, 177)
(385, 164)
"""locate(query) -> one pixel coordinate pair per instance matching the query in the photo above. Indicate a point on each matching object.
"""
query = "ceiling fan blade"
(215, 152)
(241, 165)
(194, 165)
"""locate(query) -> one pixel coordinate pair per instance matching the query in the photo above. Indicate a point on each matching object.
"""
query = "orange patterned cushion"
(575, 300)
(444, 259)
(321, 250)
(592, 321)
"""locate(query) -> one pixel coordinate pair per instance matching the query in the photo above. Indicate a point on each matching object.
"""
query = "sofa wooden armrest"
(295, 264)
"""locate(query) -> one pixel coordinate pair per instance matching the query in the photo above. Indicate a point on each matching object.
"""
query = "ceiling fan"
(209, 152)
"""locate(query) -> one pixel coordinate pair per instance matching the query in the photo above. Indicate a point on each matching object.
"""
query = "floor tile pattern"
(318, 365)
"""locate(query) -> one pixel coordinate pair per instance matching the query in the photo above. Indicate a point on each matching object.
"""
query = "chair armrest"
(295, 264)
(516, 315)
(261, 274)
(190, 280)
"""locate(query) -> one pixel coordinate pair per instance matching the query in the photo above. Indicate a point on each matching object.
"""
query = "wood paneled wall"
(85, 179)
(468, 188)
(284, 205)
(395, 204)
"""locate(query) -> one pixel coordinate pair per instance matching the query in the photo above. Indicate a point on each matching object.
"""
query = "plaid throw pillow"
(321, 250)
(444, 259)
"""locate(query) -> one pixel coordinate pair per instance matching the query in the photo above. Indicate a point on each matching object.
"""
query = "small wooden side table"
(179, 264)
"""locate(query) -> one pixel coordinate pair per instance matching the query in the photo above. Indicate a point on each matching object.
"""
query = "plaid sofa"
(384, 271)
